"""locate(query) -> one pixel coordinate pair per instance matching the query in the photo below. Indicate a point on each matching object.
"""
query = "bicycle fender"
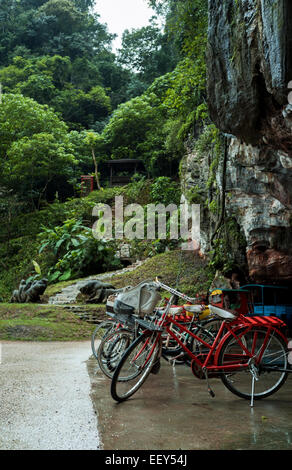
(235, 330)
(244, 328)
(218, 348)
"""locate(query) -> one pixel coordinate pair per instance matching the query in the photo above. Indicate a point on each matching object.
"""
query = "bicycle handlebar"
(174, 291)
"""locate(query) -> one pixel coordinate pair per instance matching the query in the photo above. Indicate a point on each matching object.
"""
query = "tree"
(48, 80)
(83, 109)
(64, 27)
(84, 5)
(34, 146)
(147, 52)
(39, 87)
(34, 162)
(93, 141)
(135, 130)
(63, 15)
(185, 22)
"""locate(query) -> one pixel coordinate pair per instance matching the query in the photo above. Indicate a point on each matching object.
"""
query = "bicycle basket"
(112, 298)
(140, 300)
(110, 303)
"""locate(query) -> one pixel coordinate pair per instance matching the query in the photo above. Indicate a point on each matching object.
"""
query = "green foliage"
(80, 109)
(228, 248)
(34, 146)
(137, 190)
(76, 251)
(68, 104)
(66, 17)
(147, 52)
(16, 264)
(187, 86)
(210, 141)
(57, 81)
(183, 17)
(134, 131)
(165, 191)
(51, 27)
(177, 99)
(194, 272)
(193, 195)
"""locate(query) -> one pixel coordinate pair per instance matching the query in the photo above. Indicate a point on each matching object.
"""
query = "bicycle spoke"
(111, 349)
(135, 366)
(267, 367)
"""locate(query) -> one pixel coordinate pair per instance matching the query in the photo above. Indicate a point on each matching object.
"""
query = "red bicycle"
(250, 354)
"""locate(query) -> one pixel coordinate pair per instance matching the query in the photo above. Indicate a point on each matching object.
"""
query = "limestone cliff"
(249, 60)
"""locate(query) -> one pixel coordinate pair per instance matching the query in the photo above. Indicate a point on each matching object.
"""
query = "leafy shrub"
(165, 191)
(76, 251)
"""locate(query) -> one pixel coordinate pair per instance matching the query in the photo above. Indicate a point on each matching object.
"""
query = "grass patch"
(31, 322)
(34, 322)
(185, 270)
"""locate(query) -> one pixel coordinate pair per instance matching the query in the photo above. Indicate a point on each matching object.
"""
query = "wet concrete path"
(45, 397)
(48, 402)
(173, 411)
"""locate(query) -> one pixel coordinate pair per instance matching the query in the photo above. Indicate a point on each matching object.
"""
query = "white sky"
(123, 14)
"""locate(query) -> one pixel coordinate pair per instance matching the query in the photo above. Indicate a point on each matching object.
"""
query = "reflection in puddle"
(175, 382)
(265, 433)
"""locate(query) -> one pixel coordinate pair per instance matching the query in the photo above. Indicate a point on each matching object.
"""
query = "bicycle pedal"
(180, 356)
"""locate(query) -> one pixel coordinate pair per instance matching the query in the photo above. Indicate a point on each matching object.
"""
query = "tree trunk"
(95, 168)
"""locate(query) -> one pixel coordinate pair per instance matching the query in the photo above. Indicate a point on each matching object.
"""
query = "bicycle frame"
(242, 343)
(207, 365)
(214, 348)
(240, 324)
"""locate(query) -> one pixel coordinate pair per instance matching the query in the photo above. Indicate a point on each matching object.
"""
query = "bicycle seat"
(222, 313)
(175, 310)
(194, 308)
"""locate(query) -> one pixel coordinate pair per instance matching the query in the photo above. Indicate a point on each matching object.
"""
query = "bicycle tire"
(171, 348)
(269, 381)
(195, 346)
(111, 349)
(100, 331)
(132, 366)
(212, 325)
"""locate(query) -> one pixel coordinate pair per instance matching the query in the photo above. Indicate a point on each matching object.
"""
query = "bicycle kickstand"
(210, 391)
(252, 392)
(254, 375)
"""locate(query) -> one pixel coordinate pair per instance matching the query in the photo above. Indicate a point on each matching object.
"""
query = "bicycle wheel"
(111, 349)
(196, 346)
(269, 374)
(135, 366)
(99, 332)
(171, 348)
(212, 325)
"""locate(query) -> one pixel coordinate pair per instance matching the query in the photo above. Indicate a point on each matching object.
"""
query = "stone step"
(69, 294)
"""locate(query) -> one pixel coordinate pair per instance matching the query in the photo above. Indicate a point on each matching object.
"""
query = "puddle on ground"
(264, 433)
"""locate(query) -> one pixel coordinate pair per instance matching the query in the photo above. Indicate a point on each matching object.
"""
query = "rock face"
(249, 66)
(249, 61)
